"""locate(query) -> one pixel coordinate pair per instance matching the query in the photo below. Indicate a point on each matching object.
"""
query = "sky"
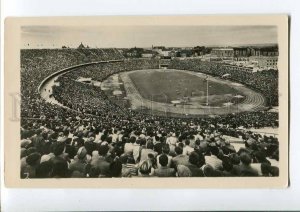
(145, 36)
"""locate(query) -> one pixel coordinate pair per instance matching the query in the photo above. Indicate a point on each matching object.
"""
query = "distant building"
(264, 61)
(165, 53)
(173, 53)
(242, 52)
(185, 53)
(209, 57)
(223, 52)
(159, 47)
(147, 55)
(81, 46)
(134, 52)
(264, 51)
(200, 50)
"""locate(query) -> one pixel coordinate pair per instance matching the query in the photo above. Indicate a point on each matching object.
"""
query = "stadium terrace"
(82, 131)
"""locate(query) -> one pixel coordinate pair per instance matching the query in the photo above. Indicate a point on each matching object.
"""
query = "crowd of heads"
(37, 64)
(92, 137)
(80, 149)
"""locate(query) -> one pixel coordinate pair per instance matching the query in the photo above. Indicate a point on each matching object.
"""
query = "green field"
(161, 86)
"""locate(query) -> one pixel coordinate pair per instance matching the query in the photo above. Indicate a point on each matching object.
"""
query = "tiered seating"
(114, 142)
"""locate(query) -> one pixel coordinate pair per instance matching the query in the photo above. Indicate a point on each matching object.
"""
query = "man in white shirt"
(213, 160)
(114, 136)
(172, 143)
(98, 137)
(136, 150)
(128, 148)
(198, 136)
(187, 149)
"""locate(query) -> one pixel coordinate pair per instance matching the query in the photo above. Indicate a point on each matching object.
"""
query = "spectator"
(165, 151)
(116, 169)
(187, 149)
(163, 170)
(213, 160)
(32, 161)
(245, 167)
(228, 167)
(128, 148)
(101, 162)
(183, 171)
(130, 168)
(137, 148)
(145, 169)
(179, 159)
(44, 170)
(60, 169)
(194, 165)
(147, 151)
(80, 162)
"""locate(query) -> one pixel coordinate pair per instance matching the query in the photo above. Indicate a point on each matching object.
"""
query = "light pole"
(238, 97)
(152, 104)
(166, 102)
(206, 91)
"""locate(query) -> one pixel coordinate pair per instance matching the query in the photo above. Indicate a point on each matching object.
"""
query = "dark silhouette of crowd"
(96, 138)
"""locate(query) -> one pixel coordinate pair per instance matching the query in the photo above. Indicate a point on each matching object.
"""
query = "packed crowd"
(79, 149)
(99, 139)
(91, 99)
(264, 81)
(92, 55)
(37, 64)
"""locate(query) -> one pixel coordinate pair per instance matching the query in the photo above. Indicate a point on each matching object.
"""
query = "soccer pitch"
(166, 86)
(169, 91)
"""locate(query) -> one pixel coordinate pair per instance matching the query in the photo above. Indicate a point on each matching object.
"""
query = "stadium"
(97, 113)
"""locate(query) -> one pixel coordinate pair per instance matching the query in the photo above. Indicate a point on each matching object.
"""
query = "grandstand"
(85, 134)
(164, 62)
